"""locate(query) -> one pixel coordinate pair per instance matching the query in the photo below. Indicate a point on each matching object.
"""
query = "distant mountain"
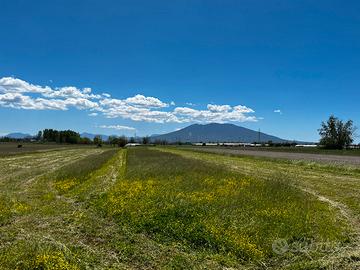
(216, 133)
(92, 136)
(18, 135)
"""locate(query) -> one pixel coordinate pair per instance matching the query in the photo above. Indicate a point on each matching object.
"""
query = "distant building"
(354, 146)
(226, 144)
(306, 145)
(132, 144)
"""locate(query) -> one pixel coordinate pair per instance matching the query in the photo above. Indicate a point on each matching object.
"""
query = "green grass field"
(310, 150)
(11, 148)
(305, 150)
(169, 208)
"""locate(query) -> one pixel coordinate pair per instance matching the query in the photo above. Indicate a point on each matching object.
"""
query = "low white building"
(132, 144)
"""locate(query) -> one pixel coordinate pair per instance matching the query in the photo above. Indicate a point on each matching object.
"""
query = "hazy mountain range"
(195, 133)
(216, 133)
(92, 136)
(18, 135)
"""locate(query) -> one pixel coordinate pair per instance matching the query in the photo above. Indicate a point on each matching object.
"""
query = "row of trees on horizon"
(73, 137)
(334, 133)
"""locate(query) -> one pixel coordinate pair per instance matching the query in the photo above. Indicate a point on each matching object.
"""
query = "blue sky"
(163, 65)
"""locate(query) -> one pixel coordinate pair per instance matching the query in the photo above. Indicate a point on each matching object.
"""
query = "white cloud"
(20, 101)
(243, 109)
(71, 91)
(216, 113)
(81, 103)
(218, 108)
(87, 90)
(13, 85)
(118, 127)
(278, 111)
(148, 102)
(19, 94)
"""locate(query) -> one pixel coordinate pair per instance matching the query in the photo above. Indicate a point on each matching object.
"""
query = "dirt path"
(335, 159)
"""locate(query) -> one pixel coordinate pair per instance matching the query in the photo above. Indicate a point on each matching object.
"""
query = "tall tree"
(146, 140)
(122, 141)
(335, 134)
(39, 136)
(98, 140)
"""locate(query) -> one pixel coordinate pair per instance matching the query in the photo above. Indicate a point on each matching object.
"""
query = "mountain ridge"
(215, 132)
(91, 136)
(18, 135)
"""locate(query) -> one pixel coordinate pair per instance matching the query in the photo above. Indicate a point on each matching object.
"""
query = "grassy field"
(167, 208)
(305, 150)
(11, 148)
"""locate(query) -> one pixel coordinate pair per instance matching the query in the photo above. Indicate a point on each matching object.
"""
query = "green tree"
(122, 141)
(85, 141)
(335, 134)
(113, 140)
(39, 136)
(146, 140)
(98, 140)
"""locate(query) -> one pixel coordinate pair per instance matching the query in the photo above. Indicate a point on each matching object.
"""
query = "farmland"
(175, 208)
(305, 150)
(344, 157)
(12, 148)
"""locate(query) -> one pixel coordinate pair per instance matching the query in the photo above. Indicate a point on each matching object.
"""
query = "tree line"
(334, 134)
(59, 136)
(72, 137)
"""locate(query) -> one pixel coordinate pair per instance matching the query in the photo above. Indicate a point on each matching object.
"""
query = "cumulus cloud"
(13, 85)
(218, 108)
(20, 101)
(278, 111)
(148, 102)
(243, 109)
(216, 113)
(18, 94)
(81, 103)
(118, 127)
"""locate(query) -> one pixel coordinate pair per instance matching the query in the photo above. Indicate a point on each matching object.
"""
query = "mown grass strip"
(58, 230)
(207, 209)
(75, 173)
